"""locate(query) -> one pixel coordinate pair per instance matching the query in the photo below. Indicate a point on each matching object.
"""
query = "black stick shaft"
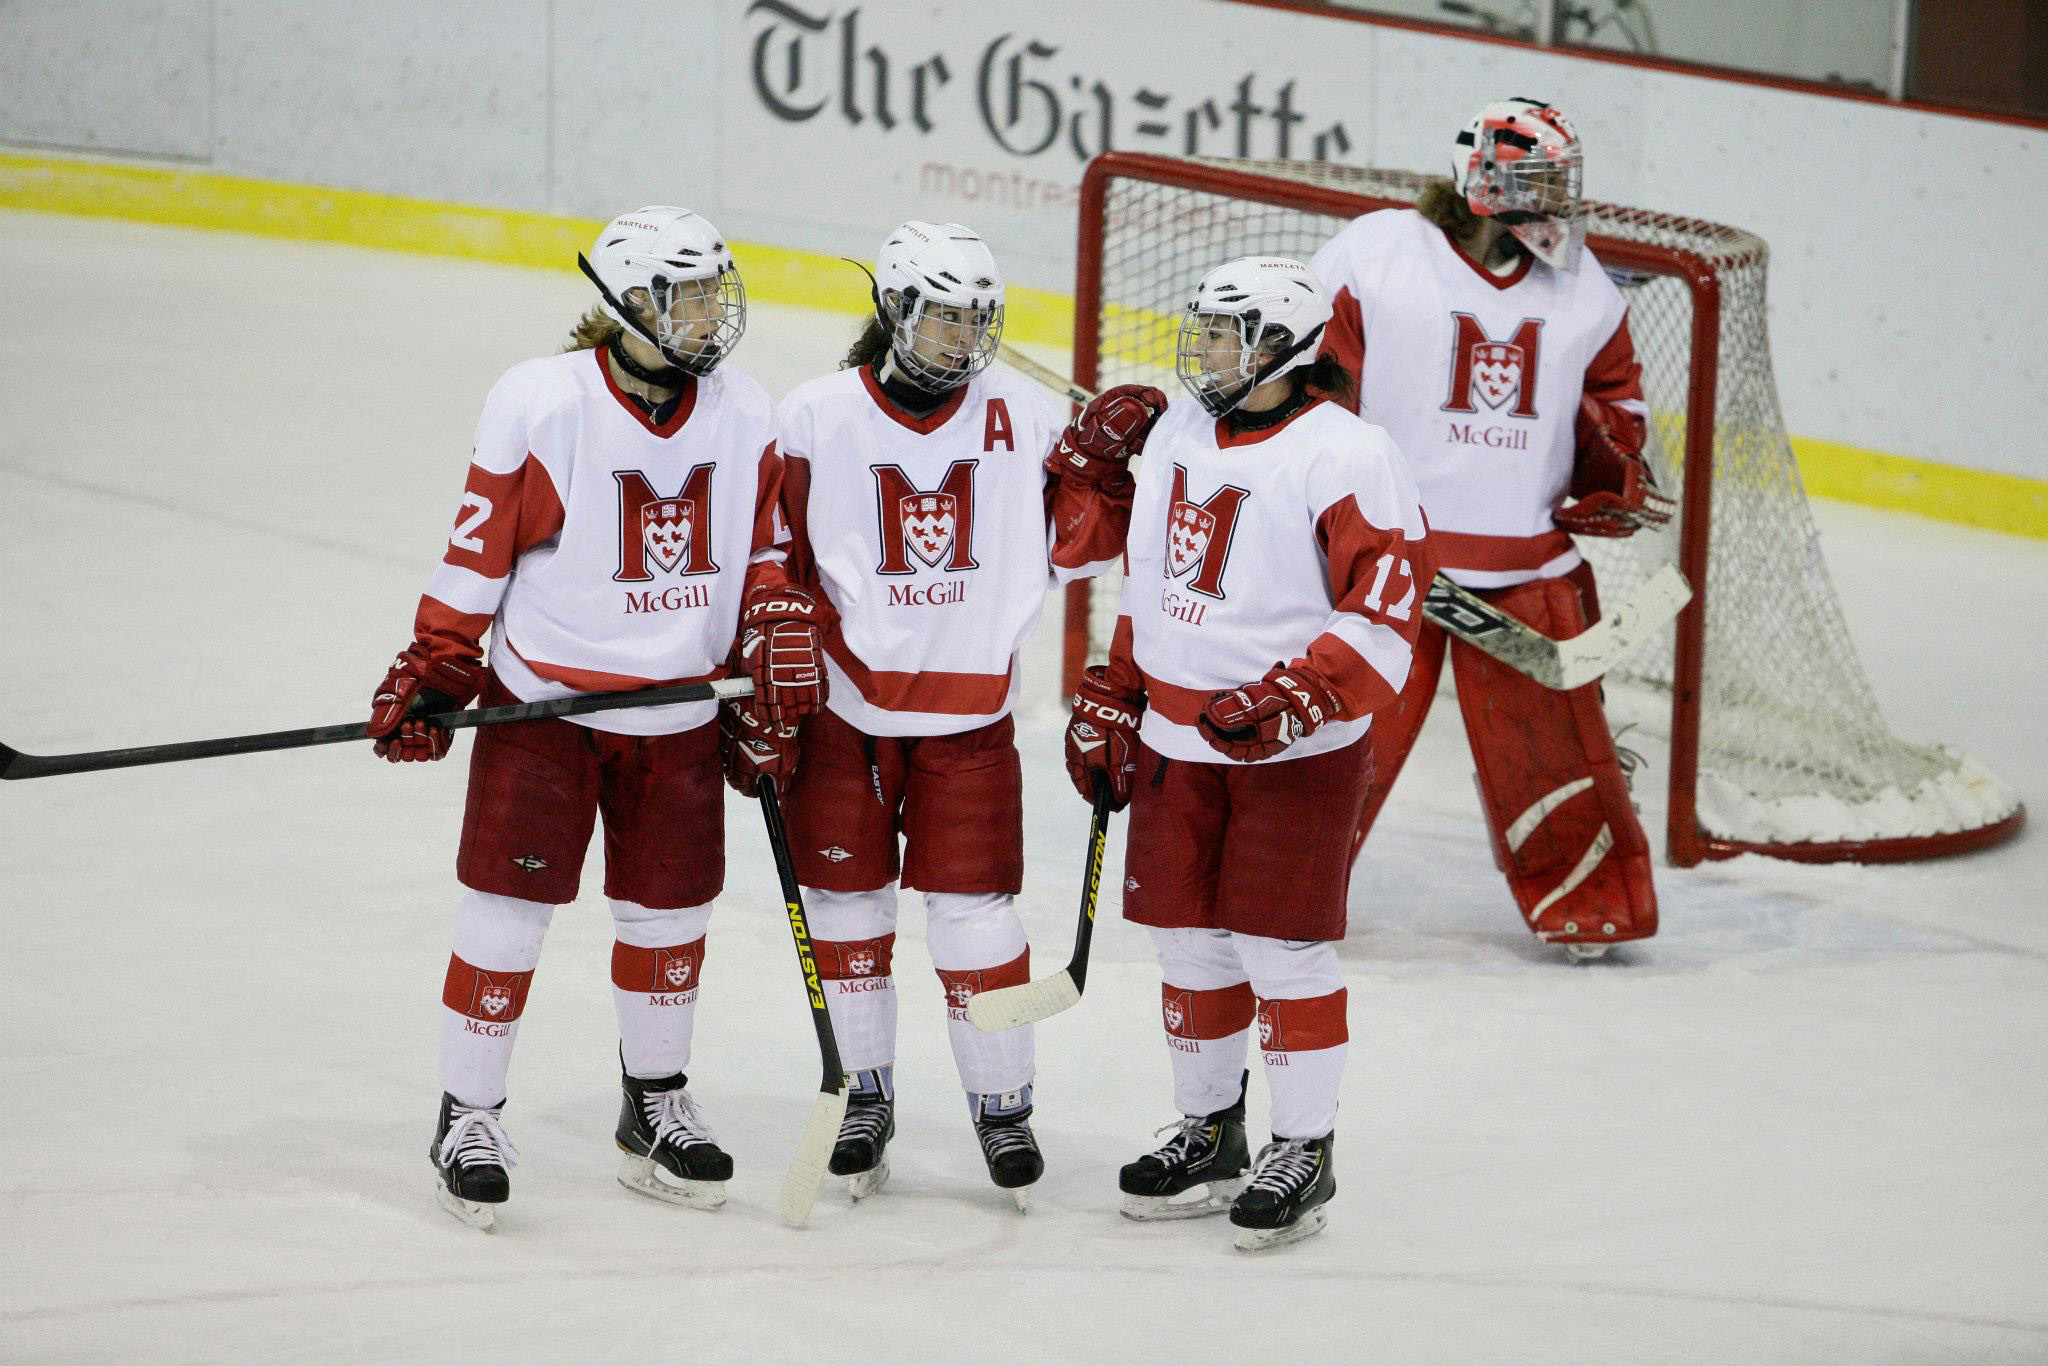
(1091, 884)
(14, 764)
(799, 929)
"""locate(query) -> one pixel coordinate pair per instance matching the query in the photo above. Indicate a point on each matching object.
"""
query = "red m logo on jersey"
(1198, 534)
(1494, 372)
(674, 531)
(936, 526)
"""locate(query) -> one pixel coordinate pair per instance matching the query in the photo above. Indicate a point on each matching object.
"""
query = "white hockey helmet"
(939, 292)
(668, 274)
(1519, 161)
(1250, 320)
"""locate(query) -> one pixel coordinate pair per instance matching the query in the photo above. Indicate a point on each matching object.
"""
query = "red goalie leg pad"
(1395, 727)
(1557, 806)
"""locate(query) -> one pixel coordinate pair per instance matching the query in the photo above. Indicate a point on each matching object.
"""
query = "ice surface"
(1805, 1124)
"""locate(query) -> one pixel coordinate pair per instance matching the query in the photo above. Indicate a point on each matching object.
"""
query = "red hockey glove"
(1097, 446)
(1102, 738)
(783, 652)
(1617, 495)
(419, 685)
(752, 747)
(1260, 719)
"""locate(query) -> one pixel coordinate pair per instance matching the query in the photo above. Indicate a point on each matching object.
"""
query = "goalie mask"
(939, 293)
(1519, 161)
(669, 276)
(1250, 320)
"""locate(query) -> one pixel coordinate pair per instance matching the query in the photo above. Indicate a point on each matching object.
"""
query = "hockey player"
(1276, 565)
(1495, 350)
(618, 523)
(933, 500)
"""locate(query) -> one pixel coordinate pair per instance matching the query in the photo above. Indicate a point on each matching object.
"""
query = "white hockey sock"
(854, 937)
(497, 946)
(977, 944)
(1304, 1034)
(657, 959)
(1205, 1003)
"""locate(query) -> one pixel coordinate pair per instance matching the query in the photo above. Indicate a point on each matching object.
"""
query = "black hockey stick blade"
(821, 1131)
(1009, 1007)
(14, 764)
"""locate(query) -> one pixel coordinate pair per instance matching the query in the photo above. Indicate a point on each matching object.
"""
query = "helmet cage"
(697, 321)
(1263, 351)
(937, 353)
(1525, 168)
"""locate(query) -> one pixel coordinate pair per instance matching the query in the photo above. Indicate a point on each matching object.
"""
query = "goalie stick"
(1559, 664)
(1008, 1007)
(14, 764)
(821, 1132)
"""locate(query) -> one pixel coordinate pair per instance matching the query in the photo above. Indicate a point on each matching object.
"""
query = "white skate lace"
(1005, 1136)
(1284, 1167)
(476, 1139)
(674, 1114)
(864, 1122)
(1190, 1135)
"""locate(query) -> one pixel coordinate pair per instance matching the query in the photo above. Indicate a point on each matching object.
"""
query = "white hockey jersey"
(1478, 379)
(1303, 544)
(935, 539)
(603, 551)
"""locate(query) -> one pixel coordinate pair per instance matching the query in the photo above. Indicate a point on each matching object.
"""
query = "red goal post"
(1775, 741)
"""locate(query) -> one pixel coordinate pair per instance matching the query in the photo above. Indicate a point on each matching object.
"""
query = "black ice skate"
(1284, 1200)
(471, 1154)
(861, 1154)
(670, 1152)
(1205, 1150)
(1003, 1124)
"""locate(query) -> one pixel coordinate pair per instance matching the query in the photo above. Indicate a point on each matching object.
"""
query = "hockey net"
(1776, 743)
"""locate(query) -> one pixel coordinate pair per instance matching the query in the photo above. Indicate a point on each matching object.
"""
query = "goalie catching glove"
(1096, 448)
(781, 649)
(1260, 719)
(1102, 737)
(417, 686)
(1617, 495)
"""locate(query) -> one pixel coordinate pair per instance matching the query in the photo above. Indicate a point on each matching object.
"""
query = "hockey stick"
(814, 1149)
(1559, 664)
(1008, 1007)
(15, 764)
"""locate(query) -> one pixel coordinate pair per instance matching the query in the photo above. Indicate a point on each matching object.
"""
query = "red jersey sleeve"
(1377, 579)
(502, 516)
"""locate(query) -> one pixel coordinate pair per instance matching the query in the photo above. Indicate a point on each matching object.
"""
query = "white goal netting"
(1792, 756)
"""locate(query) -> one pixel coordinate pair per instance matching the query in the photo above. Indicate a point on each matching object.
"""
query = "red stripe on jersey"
(942, 694)
(1177, 704)
(657, 971)
(1226, 437)
(852, 960)
(591, 680)
(686, 401)
(502, 517)
(1614, 376)
(492, 997)
(1378, 576)
(1304, 1025)
(1507, 281)
(925, 425)
(446, 631)
(1344, 340)
(1477, 552)
(963, 986)
(1215, 1014)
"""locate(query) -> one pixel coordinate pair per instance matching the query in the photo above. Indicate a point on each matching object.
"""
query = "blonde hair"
(594, 329)
(1442, 205)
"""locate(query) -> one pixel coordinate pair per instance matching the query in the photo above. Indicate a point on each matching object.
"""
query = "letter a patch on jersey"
(1198, 534)
(934, 527)
(1499, 374)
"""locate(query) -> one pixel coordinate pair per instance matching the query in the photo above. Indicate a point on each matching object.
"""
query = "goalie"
(1496, 352)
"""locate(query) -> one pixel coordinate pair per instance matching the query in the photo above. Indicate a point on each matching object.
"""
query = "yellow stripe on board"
(207, 199)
